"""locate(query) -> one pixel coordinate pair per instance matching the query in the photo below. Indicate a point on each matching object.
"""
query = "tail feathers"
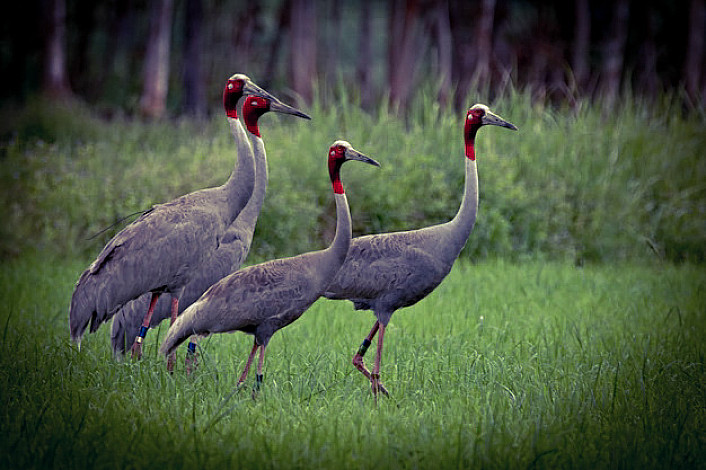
(82, 310)
(118, 333)
(90, 304)
(127, 322)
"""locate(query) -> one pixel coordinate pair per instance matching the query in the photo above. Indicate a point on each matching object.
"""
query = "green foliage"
(504, 366)
(581, 184)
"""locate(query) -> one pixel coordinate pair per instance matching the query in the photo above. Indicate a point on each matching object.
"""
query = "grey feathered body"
(261, 299)
(229, 256)
(160, 251)
(389, 271)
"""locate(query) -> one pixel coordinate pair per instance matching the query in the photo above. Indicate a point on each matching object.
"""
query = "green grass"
(536, 365)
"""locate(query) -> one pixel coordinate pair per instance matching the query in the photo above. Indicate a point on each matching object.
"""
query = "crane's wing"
(158, 251)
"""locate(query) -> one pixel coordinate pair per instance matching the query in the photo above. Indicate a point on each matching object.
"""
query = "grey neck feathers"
(248, 216)
(342, 240)
(462, 224)
(239, 186)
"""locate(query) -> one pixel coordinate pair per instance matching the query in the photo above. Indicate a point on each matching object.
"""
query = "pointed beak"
(278, 107)
(495, 120)
(353, 154)
(251, 89)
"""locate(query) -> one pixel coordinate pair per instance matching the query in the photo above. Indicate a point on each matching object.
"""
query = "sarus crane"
(261, 299)
(228, 257)
(160, 251)
(389, 271)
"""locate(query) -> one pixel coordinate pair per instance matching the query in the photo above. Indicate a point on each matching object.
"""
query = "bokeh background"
(109, 107)
(170, 56)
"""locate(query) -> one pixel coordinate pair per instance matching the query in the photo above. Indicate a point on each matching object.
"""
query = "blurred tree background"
(109, 107)
(171, 56)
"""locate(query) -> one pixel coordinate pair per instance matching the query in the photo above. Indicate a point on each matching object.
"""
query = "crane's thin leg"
(375, 376)
(244, 375)
(175, 310)
(192, 360)
(137, 345)
(358, 357)
(259, 376)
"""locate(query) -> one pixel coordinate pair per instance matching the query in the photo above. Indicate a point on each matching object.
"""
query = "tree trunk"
(405, 48)
(582, 42)
(648, 80)
(462, 14)
(273, 54)
(694, 61)
(484, 44)
(156, 69)
(302, 53)
(365, 56)
(55, 83)
(444, 43)
(194, 102)
(333, 41)
(614, 52)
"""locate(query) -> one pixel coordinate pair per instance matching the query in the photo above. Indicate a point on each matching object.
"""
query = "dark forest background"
(171, 56)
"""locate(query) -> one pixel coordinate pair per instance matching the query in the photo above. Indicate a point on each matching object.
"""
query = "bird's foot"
(192, 359)
(137, 348)
(377, 386)
(171, 360)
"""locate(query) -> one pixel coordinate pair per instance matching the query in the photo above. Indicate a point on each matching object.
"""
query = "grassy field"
(536, 365)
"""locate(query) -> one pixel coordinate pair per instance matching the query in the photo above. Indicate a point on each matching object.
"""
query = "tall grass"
(505, 366)
(579, 184)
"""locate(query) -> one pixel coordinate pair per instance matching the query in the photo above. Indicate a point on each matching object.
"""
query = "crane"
(389, 271)
(229, 255)
(261, 299)
(159, 252)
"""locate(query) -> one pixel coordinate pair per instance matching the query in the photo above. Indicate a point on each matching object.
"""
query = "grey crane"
(386, 272)
(261, 299)
(229, 255)
(160, 251)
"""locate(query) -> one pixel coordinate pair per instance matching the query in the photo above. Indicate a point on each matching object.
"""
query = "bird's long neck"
(462, 224)
(338, 250)
(248, 216)
(239, 186)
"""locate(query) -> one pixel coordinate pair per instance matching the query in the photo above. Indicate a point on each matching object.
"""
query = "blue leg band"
(191, 348)
(143, 331)
(364, 347)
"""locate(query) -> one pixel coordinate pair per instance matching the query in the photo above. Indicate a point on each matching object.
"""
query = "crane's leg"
(137, 345)
(259, 376)
(375, 375)
(244, 375)
(358, 357)
(175, 310)
(192, 359)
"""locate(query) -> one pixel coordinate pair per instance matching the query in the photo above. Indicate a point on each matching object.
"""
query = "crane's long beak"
(353, 154)
(278, 107)
(495, 120)
(252, 89)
